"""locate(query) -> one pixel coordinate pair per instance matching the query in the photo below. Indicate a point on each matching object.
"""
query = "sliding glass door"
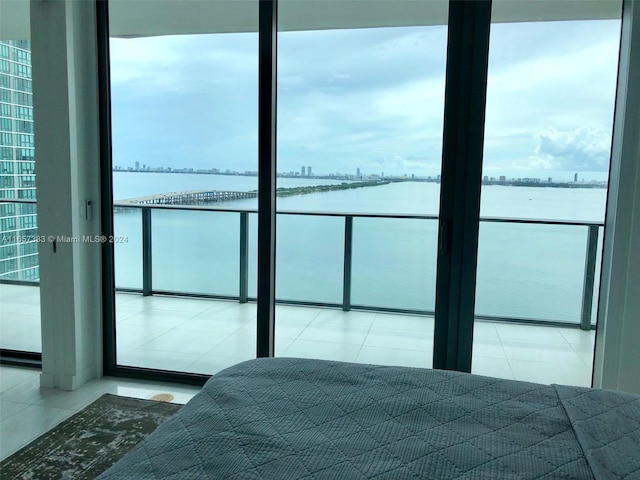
(551, 91)
(184, 181)
(360, 109)
(386, 191)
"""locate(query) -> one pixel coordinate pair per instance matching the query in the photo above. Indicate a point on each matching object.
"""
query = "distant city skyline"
(486, 179)
(367, 98)
(304, 172)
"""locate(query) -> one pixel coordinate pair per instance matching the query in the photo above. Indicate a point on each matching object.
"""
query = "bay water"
(524, 270)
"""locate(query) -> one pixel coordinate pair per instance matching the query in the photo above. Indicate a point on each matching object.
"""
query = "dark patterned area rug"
(89, 442)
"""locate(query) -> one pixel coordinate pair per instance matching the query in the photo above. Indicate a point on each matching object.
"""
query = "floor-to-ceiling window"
(360, 111)
(360, 108)
(184, 180)
(19, 239)
(550, 101)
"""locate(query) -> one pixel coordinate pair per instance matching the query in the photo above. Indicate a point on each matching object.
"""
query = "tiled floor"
(206, 336)
(27, 411)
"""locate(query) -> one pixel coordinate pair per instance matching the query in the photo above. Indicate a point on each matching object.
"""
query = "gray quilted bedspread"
(289, 418)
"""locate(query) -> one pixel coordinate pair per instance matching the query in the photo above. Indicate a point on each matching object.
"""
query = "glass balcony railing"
(529, 271)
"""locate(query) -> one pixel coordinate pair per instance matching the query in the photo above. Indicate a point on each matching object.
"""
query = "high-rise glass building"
(18, 228)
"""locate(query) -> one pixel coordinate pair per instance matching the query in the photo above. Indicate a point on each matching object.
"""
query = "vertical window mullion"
(106, 187)
(464, 113)
(267, 38)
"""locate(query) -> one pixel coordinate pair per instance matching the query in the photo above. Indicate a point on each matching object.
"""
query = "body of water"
(524, 270)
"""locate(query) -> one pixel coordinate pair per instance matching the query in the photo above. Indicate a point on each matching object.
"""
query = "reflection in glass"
(19, 265)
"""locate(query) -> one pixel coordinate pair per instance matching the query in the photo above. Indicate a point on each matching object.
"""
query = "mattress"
(285, 418)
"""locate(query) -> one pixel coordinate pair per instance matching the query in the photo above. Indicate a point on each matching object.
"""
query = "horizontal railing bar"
(417, 216)
(541, 221)
(529, 321)
(26, 283)
(18, 200)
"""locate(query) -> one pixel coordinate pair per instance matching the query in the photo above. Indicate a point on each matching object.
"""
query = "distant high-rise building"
(485, 178)
(358, 174)
(137, 165)
(550, 180)
(303, 172)
(18, 260)
(309, 171)
(503, 179)
(575, 177)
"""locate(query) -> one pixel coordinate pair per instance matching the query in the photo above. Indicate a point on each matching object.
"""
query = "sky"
(371, 99)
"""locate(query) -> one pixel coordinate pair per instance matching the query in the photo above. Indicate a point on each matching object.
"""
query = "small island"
(291, 191)
(204, 197)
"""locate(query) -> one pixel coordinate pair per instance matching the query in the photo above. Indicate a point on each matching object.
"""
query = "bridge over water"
(192, 197)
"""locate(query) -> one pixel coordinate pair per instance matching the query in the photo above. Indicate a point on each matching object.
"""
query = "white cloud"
(583, 149)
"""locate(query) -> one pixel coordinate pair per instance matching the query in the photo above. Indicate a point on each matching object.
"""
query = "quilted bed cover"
(285, 418)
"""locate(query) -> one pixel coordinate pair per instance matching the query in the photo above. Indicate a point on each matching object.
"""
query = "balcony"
(193, 330)
(205, 336)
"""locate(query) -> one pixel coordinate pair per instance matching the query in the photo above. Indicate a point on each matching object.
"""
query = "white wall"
(617, 363)
(67, 162)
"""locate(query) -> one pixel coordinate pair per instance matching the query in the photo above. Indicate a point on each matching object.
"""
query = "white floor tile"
(547, 373)
(137, 335)
(587, 358)
(11, 306)
(281, 345)
(186, 341)
(15, 324)
(529, 332)
(335, 317)
(336, 333)
(158, 318)
(219, 323)
(322, 350)
(212, 364)
(491, 367)
(23, 392)
(20, 429)
(184, 305)
(11, 376)
(534, 351)
(297, 314)
(31, 342)
(575, 335)
(398, 321)
(150, 328)
(488, 347)
(235, 345)
(157, 359)
(395, 357)
(76, 399)
(483, 329)
(8, 409)
(400, 339)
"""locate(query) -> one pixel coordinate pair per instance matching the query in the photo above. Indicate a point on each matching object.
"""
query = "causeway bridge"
(192, 197)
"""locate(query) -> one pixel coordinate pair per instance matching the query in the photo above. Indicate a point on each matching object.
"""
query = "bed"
(286, 418)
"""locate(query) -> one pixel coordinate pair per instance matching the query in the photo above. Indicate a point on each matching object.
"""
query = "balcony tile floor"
(205, 336)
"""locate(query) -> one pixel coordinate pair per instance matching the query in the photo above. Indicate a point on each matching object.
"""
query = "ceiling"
(132, 18)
